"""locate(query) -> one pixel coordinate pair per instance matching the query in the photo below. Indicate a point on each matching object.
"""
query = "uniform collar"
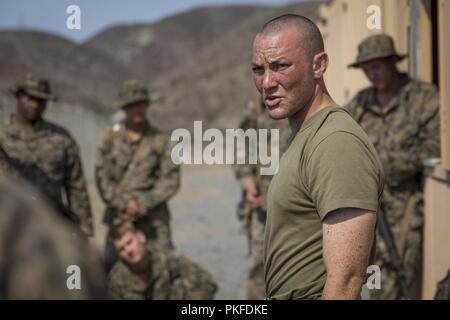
(148, 131)
(403, 95)
(27, 131)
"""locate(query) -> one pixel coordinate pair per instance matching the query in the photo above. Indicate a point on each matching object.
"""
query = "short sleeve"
(344, 172)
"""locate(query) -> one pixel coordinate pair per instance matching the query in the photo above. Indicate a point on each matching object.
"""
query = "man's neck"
(321, 99)
(18, 119)
(135, 131)
(142, 267)
(391, 91)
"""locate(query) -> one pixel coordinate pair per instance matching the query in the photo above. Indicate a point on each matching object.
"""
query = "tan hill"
(153, 50)
(198, 61)
(78, 74)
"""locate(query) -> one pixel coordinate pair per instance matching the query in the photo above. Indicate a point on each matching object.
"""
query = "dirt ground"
(204, 225)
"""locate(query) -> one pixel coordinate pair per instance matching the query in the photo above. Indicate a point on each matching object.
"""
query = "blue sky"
(51, 16)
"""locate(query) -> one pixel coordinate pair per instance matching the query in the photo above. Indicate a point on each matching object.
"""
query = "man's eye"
(257, 70)
(281, 66)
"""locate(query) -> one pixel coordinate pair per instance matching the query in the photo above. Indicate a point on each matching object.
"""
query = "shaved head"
(310, 39)
(288, 65)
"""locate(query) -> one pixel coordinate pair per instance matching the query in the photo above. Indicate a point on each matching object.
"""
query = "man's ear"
(320, 64)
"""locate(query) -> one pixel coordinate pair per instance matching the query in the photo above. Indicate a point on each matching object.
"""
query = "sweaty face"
(136, 113)
(29, 108)
(282, 73)
(131, 247)
(380, 72)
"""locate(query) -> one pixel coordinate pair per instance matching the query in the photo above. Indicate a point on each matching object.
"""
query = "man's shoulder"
(422, 96)
(112, 133)
(57, 134)
(8, 129)
(119, 272)
(422, 86)
(337, 120)
(361, 100)
(365, 94)
(114, 130)
(56, 129)
(337, 125)
(159, 254)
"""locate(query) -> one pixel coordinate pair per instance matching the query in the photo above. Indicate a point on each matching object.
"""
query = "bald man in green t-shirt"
(322, 203)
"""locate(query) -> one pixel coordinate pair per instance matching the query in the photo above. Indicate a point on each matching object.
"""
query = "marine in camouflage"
(146, 271)
(405, 133)
(48, 155)
(137, 169)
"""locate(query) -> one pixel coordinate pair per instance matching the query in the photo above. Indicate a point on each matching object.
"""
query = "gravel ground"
(204, 226)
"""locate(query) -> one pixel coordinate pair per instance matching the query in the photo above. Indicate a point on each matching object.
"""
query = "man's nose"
(33, 104)
(128, 251)
(268, 80)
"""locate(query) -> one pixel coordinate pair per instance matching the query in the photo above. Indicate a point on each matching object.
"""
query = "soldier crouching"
(147, 272)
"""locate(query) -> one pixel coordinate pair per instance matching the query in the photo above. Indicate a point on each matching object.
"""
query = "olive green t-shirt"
(330, 164)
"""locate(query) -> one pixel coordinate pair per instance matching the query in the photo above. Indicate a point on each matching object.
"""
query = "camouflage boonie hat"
(375, 47)
(34, 87)
(131, 92)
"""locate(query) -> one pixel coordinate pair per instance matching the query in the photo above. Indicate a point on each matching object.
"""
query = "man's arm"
(166, 185)
(106, 185)
(76, 190)
(348, 236)
(407, 160)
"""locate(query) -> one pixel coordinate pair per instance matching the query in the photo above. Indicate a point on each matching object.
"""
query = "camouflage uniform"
(4, 163)
(49, 156)
(37, 247)
(405, 133)
(256, 117)
(171, 276)
(142, 170)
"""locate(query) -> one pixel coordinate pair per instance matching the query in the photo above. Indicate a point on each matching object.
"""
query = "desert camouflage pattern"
(255, 116)
(130, 92)
(375, 47)
(4, 163)
(48, 156)
(170, 276)
(34, 87)
(151, 178)
(37, 246)
(405, 133)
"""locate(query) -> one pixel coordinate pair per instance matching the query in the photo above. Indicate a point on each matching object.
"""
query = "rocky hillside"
(196, 62)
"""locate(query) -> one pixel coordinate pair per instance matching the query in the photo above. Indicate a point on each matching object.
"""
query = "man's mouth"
(272, 101)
